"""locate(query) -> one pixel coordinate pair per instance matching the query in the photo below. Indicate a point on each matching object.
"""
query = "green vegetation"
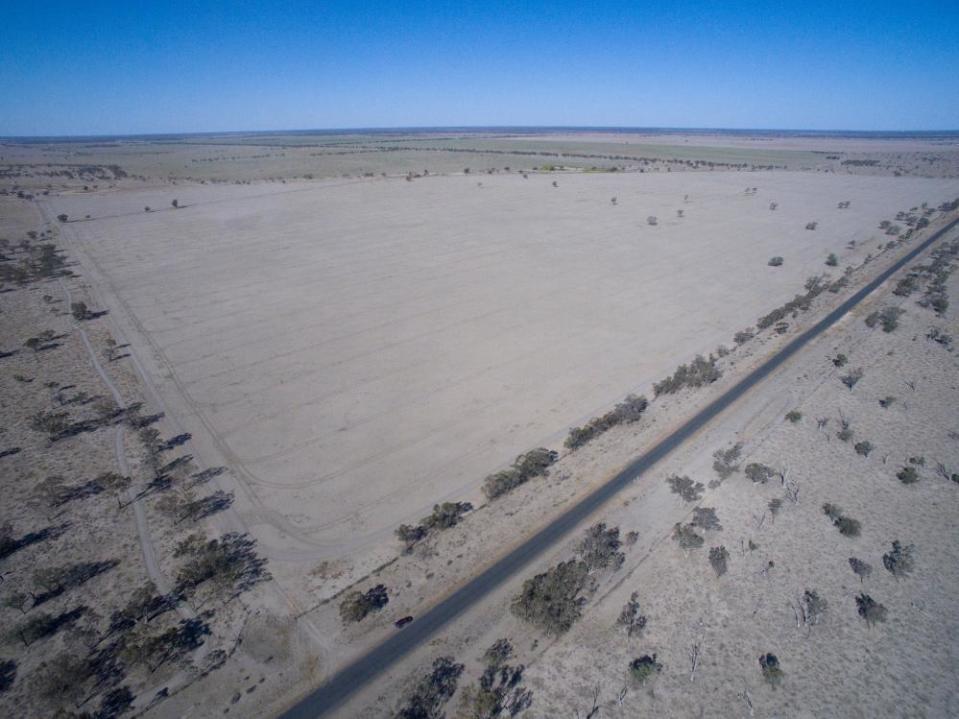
(626, 412)
(531, 464)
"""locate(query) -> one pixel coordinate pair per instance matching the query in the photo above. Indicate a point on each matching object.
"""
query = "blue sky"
(144, 67)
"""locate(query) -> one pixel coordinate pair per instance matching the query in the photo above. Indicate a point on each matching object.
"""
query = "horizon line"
(492, 128)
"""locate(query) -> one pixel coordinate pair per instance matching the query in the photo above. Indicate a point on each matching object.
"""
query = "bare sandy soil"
(839, 665)
(353, 350)
(357, 358)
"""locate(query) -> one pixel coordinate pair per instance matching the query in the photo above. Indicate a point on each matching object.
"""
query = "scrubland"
(303, 363)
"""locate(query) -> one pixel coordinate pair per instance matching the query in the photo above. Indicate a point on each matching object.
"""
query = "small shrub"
(794, 416)
(832, 260)
(812, 225)
(852, 378)
(775, 505)
(63, 217)
(775, 261)
(840, 360)
(717, 559)
(772, 673)
(743, 336)
(759, 473)
(79, 310)
(357, 605)
(686, 488)
(813, 607)
(686, 535)
(863, 448)
(643, 668)
(870, 610)
(652, 221)
(899, 561)
(886, 402)
(908, 475)
(860, 568)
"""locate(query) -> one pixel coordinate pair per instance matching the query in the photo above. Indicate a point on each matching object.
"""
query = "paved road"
(355, 676)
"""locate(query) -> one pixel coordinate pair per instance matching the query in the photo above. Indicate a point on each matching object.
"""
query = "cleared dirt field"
(359, 350)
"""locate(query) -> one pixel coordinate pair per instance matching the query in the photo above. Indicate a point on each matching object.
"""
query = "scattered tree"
(899, 560)
(860, 568)
(644, 668)
(686, 488)
(717, 559)
(870, 610)
(630, 618)
(356, 605)
(772, 673)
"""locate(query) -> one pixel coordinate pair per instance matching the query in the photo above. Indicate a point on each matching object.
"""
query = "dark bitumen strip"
(355, 676)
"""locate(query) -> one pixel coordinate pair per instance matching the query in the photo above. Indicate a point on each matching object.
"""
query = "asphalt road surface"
(352, 678)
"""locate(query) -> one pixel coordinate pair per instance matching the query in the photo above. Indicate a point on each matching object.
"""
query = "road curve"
(360, 672)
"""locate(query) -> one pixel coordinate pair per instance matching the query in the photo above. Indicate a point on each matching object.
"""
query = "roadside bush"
(775, 261)
(644, 668)
(444, 516)
(870, 610)
(357, 605)
(899, 560)
(699, 372)
(551, 600)
(847, 526)
(432, 692)
(526, 466)
(743, 336)
(686, 488)
(814, 287)
(600, 548)
(717, 559)
(772, 673)
(626, 412)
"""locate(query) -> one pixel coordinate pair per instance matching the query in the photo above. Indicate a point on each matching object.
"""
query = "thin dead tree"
(696, 649)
